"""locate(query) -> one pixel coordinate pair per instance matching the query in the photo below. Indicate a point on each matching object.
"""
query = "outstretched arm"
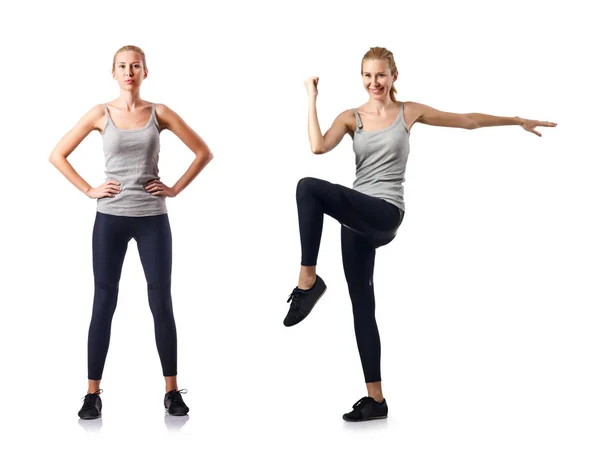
(169, 119)
(319, 143)
(430, 116)
(58, 158)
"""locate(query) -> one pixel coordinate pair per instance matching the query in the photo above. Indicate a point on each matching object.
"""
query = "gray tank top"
(131, 158)
(381, 157)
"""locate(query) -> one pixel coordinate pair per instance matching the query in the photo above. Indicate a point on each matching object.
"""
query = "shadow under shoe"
(366, 409)
(303, 301)
(175, 423)
(174, 403)
(92, 406)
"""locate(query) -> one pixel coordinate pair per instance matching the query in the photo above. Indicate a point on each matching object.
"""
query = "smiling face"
(129, 70)
(378, 78)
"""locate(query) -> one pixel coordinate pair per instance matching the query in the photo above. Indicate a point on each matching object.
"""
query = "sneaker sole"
(176, 414)
(311, 309)
(90, 417)
(366, 419)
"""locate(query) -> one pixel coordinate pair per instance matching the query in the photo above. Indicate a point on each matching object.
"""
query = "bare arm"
(68, 143)
(319, 143)
(169, 119)
(424, 114)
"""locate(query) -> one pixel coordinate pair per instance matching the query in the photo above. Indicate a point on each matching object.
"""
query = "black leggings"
(109, 242)
(367, 223)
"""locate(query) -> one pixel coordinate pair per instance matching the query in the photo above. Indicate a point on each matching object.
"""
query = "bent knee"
(308, 185)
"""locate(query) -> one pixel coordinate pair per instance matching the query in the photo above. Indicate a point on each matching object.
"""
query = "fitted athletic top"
(381, 157)
(131, 158)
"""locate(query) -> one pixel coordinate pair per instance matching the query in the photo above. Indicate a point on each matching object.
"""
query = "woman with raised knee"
(131, 203)
(371, 211)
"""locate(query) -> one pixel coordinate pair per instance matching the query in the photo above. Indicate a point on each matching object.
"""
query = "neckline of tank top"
(109, 120)
(399, 118)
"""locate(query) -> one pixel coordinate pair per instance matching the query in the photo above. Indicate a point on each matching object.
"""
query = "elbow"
(317, 150)
(53, 158)
(471, 124)
(204, 157)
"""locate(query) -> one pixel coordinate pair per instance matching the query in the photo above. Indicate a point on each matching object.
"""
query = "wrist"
(519, 120)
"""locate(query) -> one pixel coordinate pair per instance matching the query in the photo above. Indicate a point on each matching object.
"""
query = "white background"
(487, 301)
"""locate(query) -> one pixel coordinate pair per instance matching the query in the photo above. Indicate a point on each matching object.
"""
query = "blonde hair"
(383, 54)
(130, 48)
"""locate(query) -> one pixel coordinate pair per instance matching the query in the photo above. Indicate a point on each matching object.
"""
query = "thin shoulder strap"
(358, 121)
(401, 114)
(108, 119)
(154, 118)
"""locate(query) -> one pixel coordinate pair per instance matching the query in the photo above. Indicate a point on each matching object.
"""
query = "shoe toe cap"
(89, 415)
(178, 410)
(351, 417)
(292, 318)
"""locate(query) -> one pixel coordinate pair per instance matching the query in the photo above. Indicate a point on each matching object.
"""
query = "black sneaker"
(303, 301)
(92, 406)
(174, 403)
(367, 408)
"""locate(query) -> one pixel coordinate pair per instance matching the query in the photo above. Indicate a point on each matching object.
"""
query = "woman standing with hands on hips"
(372, 211)
(131, 204)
